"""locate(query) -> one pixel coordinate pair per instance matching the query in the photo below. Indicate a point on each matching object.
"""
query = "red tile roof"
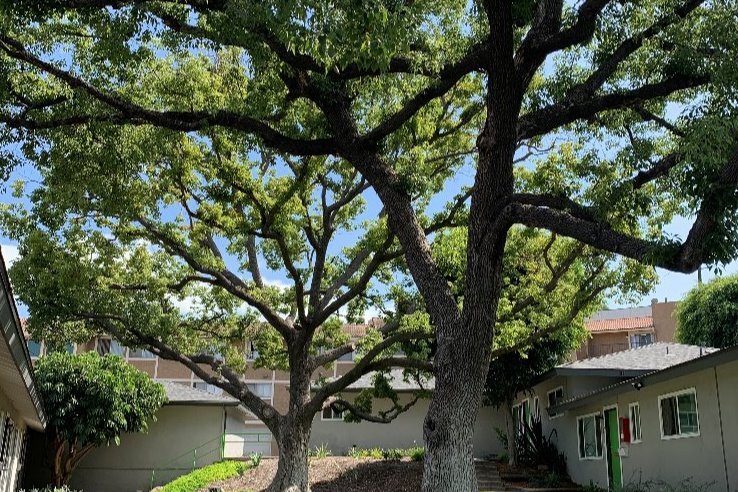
(619, 324)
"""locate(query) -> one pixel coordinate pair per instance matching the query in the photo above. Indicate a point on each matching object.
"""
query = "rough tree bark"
(293, 432)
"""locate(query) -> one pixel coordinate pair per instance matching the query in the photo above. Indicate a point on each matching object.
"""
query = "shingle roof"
(648, 358)
(619, 324)
(181, 394)
(710, 357)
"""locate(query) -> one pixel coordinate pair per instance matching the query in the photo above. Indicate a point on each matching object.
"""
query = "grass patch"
(199, 478)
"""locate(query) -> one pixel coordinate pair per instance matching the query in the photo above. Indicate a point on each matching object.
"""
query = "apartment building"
(615, 330)
(245, 434)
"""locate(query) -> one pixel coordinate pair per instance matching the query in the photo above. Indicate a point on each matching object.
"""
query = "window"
(210, 388)
(251, 352)
(6, 435)
(679, 414)
(555, 396)
(589, 431)
(109, 346)
(641, 339)
(330, 414)
(350, 357)
(35, 349)
(139, 353)
(262, 390)
(634, 414)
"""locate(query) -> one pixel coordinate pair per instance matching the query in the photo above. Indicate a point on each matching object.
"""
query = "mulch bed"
(338, 474)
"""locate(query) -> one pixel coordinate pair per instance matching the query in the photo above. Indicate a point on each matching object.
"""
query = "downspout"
(223, 436)
(722, 435)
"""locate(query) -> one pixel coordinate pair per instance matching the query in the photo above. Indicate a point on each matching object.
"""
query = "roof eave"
(706, 361)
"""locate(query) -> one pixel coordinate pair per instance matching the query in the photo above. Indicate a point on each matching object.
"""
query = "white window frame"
(333, 417)
(676, 394)
(602, 436)
(548, 401)
(633, 440)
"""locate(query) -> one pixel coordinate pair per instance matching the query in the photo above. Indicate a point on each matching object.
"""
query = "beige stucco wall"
(178, 429)
(664, 321)
(699, 457)
(404, 432)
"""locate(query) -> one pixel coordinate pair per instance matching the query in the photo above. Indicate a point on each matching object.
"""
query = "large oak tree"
(643, 90)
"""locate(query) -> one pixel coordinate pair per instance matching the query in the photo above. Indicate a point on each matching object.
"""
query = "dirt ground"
(338, 474)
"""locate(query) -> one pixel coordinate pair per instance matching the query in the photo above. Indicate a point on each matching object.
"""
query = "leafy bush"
(200, 478)
(255, 459)
(536, 449)
(416, 453)
(91, 401)
(320, 452)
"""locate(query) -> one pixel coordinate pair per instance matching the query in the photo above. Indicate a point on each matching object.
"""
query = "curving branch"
(684, 257)
(571, 109)
(174, 120)
(385, 417)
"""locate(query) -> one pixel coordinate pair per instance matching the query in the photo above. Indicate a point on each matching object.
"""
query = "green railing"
(189, 458)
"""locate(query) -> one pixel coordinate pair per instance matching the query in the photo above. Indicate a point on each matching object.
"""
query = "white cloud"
(10, 254)
(279, 284)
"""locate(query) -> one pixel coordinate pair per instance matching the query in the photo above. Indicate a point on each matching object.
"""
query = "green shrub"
(320, 452)
(417, 453)
(255, 459)
(200, 478)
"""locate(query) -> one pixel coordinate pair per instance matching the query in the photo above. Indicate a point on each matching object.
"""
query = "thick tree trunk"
(512, 449)
(292, 469)
(293, 432)
(449, 425)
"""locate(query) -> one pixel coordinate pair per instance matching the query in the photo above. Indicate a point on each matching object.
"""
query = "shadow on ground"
(375, 476)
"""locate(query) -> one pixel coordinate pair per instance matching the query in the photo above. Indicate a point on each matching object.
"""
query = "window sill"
(680, 436)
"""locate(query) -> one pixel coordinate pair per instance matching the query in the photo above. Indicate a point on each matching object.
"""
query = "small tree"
(708, 316)
(90, 401)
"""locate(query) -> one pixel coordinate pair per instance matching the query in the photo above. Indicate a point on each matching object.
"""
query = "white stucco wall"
(128, 467)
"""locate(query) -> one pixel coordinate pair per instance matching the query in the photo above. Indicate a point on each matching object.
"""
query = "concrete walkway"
(488, 477)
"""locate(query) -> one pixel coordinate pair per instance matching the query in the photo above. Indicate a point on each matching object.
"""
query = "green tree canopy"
(708, 315)
(596, 120)
(91, 401)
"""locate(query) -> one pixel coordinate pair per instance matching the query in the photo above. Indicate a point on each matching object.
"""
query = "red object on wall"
(624, 429)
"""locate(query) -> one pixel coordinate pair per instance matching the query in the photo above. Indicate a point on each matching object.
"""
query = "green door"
(612, 436)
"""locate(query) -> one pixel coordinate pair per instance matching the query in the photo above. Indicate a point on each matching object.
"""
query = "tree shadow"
(376, 476)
